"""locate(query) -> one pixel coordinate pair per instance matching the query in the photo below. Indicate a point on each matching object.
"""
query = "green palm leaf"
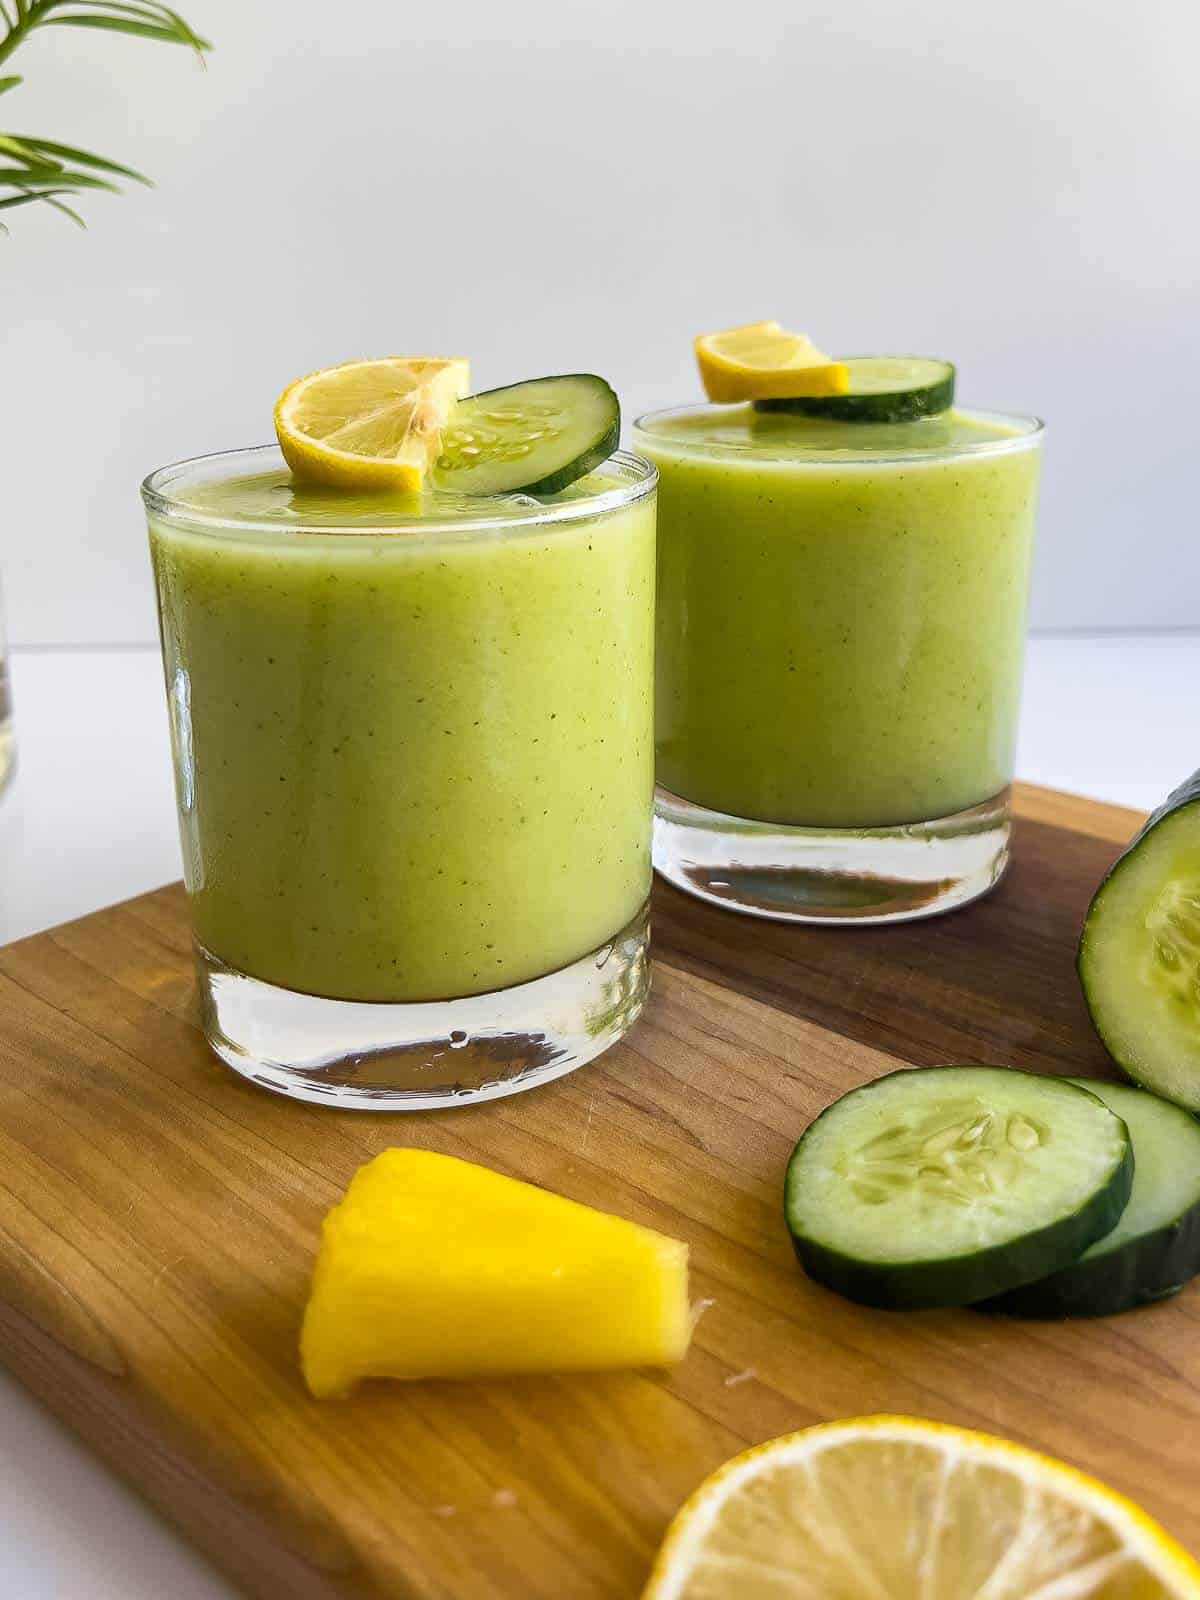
(85, 158)
(26, 198)
(60, 205)
(12, 146)
(143, 30)
(47, 197)
(38, 177)
(43, 169)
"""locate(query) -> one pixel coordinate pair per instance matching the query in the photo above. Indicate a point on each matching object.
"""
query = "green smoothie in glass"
(841, 622)
(413, 740)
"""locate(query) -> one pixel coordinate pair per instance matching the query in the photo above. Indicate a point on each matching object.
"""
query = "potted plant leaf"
(46, 172)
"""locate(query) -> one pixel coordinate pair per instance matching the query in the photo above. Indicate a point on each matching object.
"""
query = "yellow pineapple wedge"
(432, 1267)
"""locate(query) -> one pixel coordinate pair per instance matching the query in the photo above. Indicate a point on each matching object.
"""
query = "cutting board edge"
(106, 1414)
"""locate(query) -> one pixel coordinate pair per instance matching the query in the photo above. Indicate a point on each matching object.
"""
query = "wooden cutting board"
(158, 1218)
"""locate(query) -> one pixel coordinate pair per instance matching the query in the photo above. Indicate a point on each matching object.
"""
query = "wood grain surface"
(158, 1218)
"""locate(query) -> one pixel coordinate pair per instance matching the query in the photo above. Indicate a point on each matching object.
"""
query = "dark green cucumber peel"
(534, 437)
(907, 1284)
(882, 389)
(1139, 952)
(1155, 1247)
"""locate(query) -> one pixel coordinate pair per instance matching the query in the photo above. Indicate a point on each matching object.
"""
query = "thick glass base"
(8, 753)
(417, 1057)
(852, 876)
(8, 744)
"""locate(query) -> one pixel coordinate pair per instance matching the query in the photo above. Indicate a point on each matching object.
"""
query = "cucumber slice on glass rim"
(940, 1186)
(882, 389)
(537, 436)
(1155, 1247)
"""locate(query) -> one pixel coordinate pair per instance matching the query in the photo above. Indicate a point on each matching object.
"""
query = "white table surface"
(90, 820)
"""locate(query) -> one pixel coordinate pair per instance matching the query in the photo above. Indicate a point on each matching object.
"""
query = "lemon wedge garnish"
(763, 361)
(881, 1507)
(369, 424)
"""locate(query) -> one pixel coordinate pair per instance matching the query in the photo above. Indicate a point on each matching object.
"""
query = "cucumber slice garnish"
(940, 1186)
(882, 389)
(1155, 1247)
(1139, 953)
(538, 436)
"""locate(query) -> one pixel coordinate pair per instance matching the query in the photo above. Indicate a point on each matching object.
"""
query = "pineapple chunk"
(431, 1267)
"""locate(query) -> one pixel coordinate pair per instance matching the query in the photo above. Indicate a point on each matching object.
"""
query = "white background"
(545, 185)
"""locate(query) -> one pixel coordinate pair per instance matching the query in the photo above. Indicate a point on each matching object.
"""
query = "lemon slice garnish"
(763, 361)
(880, 1507)
(369, 424)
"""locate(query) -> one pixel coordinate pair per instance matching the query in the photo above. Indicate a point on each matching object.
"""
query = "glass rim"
(1032, 431)
(641, 480)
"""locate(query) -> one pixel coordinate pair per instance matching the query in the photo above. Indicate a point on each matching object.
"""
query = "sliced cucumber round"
(1155, 1247)
(940, 1186)
(882, 389)
(538, 436)
(1139, 953)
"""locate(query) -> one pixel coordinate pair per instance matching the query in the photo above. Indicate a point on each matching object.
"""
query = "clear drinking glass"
(414, 756)
(841, 626)
(8, 743)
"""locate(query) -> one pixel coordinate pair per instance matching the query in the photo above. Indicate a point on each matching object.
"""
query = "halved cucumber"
(882, 389)
(538, 436)
(939, 1186)
(1155, 1247)
(1139, 953)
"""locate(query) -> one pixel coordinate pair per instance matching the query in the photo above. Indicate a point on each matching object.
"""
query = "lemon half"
(369, 424)
(763, 361)
(892, 1508)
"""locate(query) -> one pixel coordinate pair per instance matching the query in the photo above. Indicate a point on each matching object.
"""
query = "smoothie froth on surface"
(777, 435)
(275, 497)
(841, 611)
(411, 767)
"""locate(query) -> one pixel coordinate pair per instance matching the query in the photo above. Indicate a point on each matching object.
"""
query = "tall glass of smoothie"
(414, 756)
(841, 626)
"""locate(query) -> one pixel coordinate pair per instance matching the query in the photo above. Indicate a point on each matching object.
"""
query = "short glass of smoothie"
(841, 624)
(414, 758)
